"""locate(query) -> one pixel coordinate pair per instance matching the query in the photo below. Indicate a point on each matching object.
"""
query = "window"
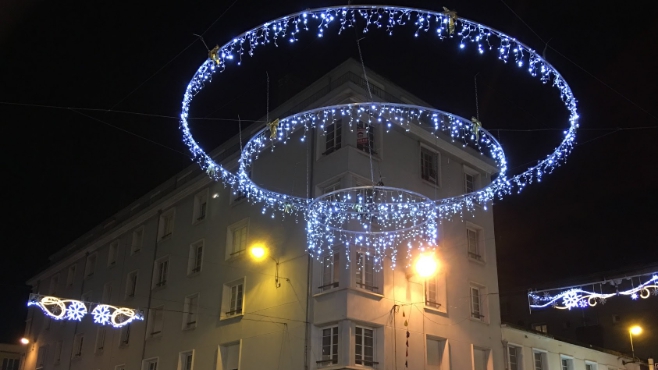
(480, 358)
(41, 357)
(161, 270)
(364, 346)
(567, 363)
(330, 188)
(150, 364)
(156, 322)
(131, 284)
(473, 241)
(70, 276)
(191, 311)
(58, 352)
(10, 363)
(166, 224)
(124, 339)
(185, 360)
(120, 367)
(87, 297)
(514, 357)
(435, 349)
(233, 299)
(107, 293)
(429, 166)
(543, 328)
(100, 338)
(476, 303)
(200, 206)
(365, 272)
(237, 238)
(365, 137)
(238, 195)
(137, 239)
(539, 360)
(90, 266)
(329, 346)
(230, 356)
(590, 365)
(435, 292)
(52, 288)
(78, 342)
(195, 258)
(471, 178)
(112, 254)
(333, 137)
(330, 275)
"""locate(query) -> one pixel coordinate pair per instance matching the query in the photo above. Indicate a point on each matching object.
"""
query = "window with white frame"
(120, 367)
(329, 346)
(41, 357)
(113, 253)
(124, 338)
(57, 352)
(195, 258)
(200, 206)
(233, 299)
(191, 311)
(161, 271)
(100, 338)
(156, 322)
(566, 363)
(186, 360)
(514, 357)
(150, 364)
(364, 346)
(435, 292)
(436, 348)
(167, 224)
(480, 358)
(236, 241)
(473, 241)
(70, 277)
(365, 137)
(590, 365)
(229, 356)
(54, 281)
(477, 309)
(78, 343)
(366, 276)
(90, 266)
(471, 179)
(333, 137)
(429, 165)
(330, 271)
(107, 293)
(131, 284)
(10, 363)
(137, 240)
(541, 327)
(539, 359)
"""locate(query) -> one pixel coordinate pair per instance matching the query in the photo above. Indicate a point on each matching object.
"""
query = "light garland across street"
(74, 310)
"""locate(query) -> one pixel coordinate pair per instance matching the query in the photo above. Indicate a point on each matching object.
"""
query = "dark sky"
(66, 170)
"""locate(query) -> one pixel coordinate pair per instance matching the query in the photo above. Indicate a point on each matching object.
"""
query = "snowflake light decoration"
(70, 309)
(101, 314)
(76, 311)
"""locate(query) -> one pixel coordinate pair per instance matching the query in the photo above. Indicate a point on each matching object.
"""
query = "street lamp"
(634, 330)
(25, 340)
(426, 265)
(258, 252)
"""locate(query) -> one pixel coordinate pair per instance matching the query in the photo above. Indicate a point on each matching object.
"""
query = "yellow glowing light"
(257, 251)
(25, 340)
(636, 330)
(426, 265)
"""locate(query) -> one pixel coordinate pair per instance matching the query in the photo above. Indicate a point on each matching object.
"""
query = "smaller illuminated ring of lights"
(387, 18)
(116, 316)
(387, 115)
(74, 310)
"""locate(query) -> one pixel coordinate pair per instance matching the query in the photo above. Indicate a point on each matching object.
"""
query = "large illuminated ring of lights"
(578, 297)
(74, 310)
(444, 25)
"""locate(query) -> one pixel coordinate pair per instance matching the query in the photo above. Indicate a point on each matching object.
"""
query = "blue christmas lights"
(578, 297)
(74, 310)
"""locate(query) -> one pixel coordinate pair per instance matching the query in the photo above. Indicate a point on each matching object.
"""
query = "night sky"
(72, 156)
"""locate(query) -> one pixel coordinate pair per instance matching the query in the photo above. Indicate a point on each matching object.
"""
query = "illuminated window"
(514, 357)
(365, 272)
(229, 356)
(233, 299)
(435, 352)
(480, 358)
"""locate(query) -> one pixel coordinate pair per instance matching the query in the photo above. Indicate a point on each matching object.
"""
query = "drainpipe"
(309, 261)
(148, 304)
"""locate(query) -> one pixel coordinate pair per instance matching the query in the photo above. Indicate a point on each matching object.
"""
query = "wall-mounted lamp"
(426, 265)
(259, 252)
(25, 341)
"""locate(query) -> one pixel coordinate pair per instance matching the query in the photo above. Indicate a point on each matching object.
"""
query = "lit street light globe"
(426, 265)
(257, 251)
(25, 341)
(636, 330)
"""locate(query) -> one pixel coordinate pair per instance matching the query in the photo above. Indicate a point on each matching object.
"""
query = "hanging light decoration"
(74, 310)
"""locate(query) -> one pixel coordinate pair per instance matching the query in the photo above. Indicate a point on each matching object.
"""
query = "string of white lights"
(582, 298)
(74, 310)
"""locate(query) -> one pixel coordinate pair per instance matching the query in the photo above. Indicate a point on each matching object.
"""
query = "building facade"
(11, 356)
(179, 254)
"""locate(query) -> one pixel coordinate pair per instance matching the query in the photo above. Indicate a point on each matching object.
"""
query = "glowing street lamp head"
(25, 340)
(258, 251)
(636, 330)
(426, 265)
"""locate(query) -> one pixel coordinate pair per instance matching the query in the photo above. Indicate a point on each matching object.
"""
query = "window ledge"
(199, 221)
(328, 291)
(159, 287)
(111, 265)
(376, 157)
(239, 201)
(237, 256)
(481, 321)
(165, 237)
(438, 311)
(429, 183)
(194, 274)
(189, 327)
(478, 261)
(231, 318)
(366, 293)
